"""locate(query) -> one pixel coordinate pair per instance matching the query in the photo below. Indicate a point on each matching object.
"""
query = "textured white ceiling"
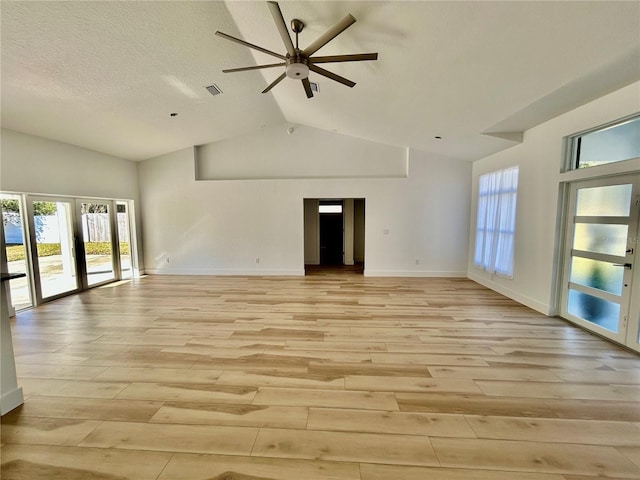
(107, 75)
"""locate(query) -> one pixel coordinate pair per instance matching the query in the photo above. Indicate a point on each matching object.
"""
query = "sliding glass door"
(75, 244)
(51, 223)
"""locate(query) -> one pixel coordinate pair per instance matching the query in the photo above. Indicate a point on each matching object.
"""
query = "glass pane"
(610, 201)
(613, 144)
(96, 232)
(330, 209)
(595, 274)
(595, 310)
(16, 250)
(54, 244)
(125, 246)
(593, 237)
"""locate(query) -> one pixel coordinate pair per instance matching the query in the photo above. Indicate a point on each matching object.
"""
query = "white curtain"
(495, 227)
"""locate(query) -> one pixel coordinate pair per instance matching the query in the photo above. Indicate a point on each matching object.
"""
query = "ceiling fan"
(298, 62)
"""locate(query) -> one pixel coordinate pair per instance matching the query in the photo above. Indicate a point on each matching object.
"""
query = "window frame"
(574, 141)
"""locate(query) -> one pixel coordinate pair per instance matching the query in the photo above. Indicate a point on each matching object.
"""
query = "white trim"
(513, 295)
(225, 272)
(412, 273)
(606, 170)
(11, 400)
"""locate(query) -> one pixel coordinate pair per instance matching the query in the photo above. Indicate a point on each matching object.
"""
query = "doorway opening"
(334, 235)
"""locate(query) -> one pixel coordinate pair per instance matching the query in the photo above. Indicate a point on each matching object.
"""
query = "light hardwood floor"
(335, 376)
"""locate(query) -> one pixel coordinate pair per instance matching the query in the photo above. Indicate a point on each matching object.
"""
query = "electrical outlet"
(168, 260)
(417, 262)
(257, 259)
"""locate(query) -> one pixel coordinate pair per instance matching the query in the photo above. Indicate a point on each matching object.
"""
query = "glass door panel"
(52, 239)
(602, 221)
(97, 241)
(126, 267)
(16, 250)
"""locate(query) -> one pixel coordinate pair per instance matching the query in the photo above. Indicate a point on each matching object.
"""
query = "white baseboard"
(412, 273)
(11, 400)
(221, 272)
(517, 296)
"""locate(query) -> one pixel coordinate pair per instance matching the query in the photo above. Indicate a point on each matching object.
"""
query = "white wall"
(223, 226)
(30, 164)
(306, 152)
(540, 158)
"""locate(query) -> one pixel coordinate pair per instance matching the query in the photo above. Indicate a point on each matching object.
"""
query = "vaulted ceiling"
(107, 75)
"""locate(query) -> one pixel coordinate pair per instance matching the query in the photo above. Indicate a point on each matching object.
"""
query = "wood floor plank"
(173, 438)
(188, 392)
(534, 457)
(428, 359)
(60, 372)
(326, 398)
(34, 462)
(75, 388)
(473, 404)
(340, 446)
(368, 421)
(276, 379)
(220, 467)
(387, 472)
(150, 374)
(632, 453)
(495, 373)
(88, 408)
(589, 432)
(631, 377)
(46, 431)
(560, 390)
(619, 411)
(410, 384)
(197, 413)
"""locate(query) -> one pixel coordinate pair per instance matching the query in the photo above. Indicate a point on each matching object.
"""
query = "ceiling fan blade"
(357, 57)
(331, 75)
(307, 87)
(256, 67)
(276, 13)
(274, 83)
(250, 45)
(329, 35)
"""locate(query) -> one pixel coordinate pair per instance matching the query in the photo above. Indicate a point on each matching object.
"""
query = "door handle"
(625, 265)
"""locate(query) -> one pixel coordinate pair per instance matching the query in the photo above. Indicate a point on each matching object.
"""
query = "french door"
(52, 237)
(601, 285)
(74, 244)
(100, 259)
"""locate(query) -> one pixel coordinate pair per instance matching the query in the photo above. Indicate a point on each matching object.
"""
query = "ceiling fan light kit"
(297, 70)
(297, 62)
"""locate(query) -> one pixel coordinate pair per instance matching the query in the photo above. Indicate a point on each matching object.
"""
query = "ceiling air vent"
(213, 89)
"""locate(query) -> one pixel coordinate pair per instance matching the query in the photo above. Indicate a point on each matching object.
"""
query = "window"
(324, 208)
(614, 143)
(495, 227)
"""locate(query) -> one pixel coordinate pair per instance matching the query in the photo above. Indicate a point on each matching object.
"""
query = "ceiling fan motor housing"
(297, 68)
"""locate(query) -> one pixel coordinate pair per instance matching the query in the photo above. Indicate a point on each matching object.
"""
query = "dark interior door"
(331, 237)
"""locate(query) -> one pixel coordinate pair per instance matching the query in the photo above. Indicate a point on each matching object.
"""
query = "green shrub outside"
(16, 252)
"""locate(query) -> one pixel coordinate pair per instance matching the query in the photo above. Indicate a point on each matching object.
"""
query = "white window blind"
(495, 227)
